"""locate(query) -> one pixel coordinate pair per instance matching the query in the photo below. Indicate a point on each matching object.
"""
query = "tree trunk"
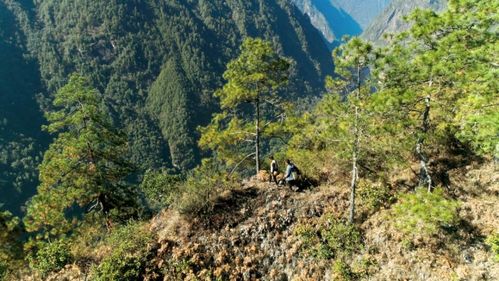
(355, 174)
(355, 150)
(424, 174)
(257, 138)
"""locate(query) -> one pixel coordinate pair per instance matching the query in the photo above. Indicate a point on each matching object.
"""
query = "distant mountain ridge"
(391, 20)
(336, 18)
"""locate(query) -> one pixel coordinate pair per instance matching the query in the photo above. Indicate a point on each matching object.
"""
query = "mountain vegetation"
(253, 79)
(398, 156)
(21, 140)
(156, 64)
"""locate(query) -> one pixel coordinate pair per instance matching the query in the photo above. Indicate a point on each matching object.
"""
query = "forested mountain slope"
(156, 62)
(21, 139)
(129, 48)
(391, 20)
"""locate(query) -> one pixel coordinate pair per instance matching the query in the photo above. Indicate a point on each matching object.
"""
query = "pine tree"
(83, 170)
(438, 80)
(249, 101)
(350, 114)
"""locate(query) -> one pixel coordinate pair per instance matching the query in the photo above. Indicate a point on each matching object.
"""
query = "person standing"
(274, 169)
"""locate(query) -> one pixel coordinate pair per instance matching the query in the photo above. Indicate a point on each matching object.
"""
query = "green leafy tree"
(249, 101)
(84, 170)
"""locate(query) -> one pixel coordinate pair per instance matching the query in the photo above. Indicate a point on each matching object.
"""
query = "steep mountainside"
(157, 62)
(363, 11)
(391, 20)
(21, 139)
(336, 18)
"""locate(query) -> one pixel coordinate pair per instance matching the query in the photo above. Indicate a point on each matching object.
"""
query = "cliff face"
(336, 18)
(391, 19)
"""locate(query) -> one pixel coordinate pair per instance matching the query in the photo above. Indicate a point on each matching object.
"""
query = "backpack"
(275, 167)
(298, 172)
(295, 172)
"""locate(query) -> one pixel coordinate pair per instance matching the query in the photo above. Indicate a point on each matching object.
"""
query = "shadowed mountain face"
(391, 20)
(336, 18)
(21, 138)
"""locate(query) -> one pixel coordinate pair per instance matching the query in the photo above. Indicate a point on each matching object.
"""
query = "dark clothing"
(274, 171)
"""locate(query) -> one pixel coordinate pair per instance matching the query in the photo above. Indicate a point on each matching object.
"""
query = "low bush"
(50, 256)
(425, 214)
(493, 242)
(201, 187)
(342, 271)
(10, 244)
(160, 188)
(130, 247)
(330, 238)
(372, 196)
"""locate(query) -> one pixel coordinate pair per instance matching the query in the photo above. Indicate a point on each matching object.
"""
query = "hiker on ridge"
(274, 169)
(291, 175)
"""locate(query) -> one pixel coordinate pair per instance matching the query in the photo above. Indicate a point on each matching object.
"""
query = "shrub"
(373, 196)
(341, 238)
(51, 256)
(160, 188)
(342, 271)
(493, 242)
(3, 270)
(130, 249)
(330, 238)
(10, 244)
(201, 187)
(424, 213)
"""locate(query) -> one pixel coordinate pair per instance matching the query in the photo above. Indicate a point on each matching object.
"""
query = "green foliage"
(342, 271)
(130, 252)
(84, 166)
(373, 196)
(21, 142)
(10, 244)
(446, 58)
(493, 242)
(160, 188)
(422, 213)
(202, 186)
(344, 121)
(330, 239)
(50, 256)
(254, 79)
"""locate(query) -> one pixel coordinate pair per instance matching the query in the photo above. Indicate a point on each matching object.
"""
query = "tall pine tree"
(83, 171)
(249, 101)
(352, 61)
(439, 79)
